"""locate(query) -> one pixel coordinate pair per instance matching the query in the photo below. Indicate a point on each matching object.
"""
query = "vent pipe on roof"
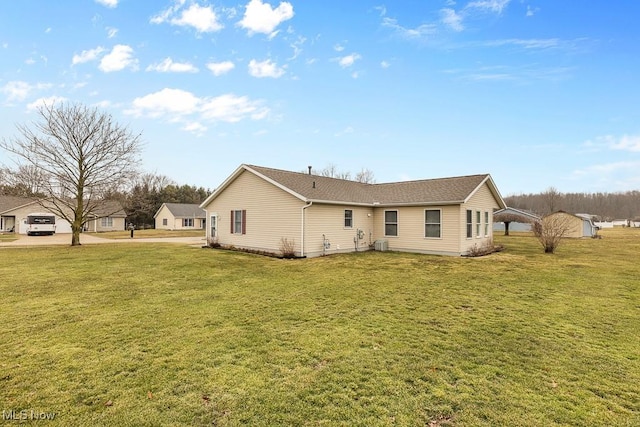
(309, 169)
(314, 184)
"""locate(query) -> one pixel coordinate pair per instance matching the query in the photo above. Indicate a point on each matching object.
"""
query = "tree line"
(605, 206)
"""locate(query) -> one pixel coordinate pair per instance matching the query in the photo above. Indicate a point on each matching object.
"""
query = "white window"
(107, 221)
(348, 218)
(432, 223)
(478, 223)
(390, 223)
(486, 224)
(187, 222)
(164, 221)
(469, 223)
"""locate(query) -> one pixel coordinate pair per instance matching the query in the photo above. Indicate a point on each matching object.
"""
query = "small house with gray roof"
(180, 216)
(269, 210)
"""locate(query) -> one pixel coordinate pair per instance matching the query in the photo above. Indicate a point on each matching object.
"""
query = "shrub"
(287, 248)
(212, 242)
(485, 249)
(551, 229)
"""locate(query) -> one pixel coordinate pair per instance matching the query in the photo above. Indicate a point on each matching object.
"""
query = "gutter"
(302, 231)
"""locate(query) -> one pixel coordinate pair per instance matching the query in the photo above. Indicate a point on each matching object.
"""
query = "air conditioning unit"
(381, 245)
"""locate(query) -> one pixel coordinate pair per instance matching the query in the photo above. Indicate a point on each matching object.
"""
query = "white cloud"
(381, 10)
(19, 90)
(260, 17)
(346, 131)
(177, 105)
(220, 68)
(623, 143)
(525, 43)
(111, 32)
(16, 90)
(195, 128)
(348, 61)
(266, 68)
(41, 102)
(627, 143)
(385, 64)
(168, 66)
(87, 55)
(338, 48)
(496, 6)
(231, 108)
(202, 18)
(120, 57)
(108, 3)
(297, 47)
(420, 32)
(452, 19)
(104, 104)
(167, 101)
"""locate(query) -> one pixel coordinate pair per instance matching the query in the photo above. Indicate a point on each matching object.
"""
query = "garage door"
(62, 226)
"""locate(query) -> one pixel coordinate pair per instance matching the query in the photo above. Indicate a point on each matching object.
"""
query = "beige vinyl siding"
(411, 230)
(574, 224)
(165, 213)
(271, 214)
(96, 225)
(482, 201)
(329, 220)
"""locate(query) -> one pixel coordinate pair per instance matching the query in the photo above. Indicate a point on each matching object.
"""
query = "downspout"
(302, 231)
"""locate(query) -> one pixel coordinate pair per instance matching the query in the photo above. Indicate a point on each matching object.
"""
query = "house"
(180, 216)
(108, 216)
(513, 219)
(14, 211)
(578, 225)
(264, 209)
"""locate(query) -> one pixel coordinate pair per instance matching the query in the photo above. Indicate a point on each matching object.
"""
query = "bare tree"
(82, 154)
(26, 180)
(365, 176)
(332, 172)
(552, 198)
(551, 229)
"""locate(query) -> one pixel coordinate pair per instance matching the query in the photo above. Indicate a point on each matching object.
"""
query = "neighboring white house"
(180, 216)
(259, 208)
(14, 211)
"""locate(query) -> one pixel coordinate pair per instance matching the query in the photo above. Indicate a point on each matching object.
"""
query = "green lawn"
(166, 335)
(144, 234)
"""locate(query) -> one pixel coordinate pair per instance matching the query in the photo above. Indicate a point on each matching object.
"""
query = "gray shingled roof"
(428, 191)
(110, 208)
(185, 210)
(11, 202)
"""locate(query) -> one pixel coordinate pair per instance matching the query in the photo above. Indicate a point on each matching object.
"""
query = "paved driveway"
(65, 239)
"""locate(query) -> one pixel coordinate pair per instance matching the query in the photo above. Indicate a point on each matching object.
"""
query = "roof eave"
(492, 187)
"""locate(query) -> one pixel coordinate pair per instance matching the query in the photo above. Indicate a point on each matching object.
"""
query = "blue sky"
(537, 93)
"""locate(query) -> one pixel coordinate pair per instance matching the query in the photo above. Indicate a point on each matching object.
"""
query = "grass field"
(148, 233)
(166, 335)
